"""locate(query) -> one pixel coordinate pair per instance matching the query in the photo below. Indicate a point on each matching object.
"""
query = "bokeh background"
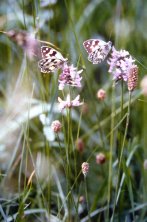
(28, 105)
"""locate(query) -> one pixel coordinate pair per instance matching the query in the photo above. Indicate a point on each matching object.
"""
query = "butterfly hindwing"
(49, 64)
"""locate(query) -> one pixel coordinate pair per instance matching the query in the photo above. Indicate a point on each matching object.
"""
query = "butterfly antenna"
(49, 43)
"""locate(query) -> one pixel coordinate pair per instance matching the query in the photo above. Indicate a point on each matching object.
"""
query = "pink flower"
(69, 76)
(56, 126)
(68, 103)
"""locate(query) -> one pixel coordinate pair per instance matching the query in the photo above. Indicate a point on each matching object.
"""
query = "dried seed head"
(133, 78)
(100, 158)
(85, 168)
(101, 94)
(80, 145)
(56, 126)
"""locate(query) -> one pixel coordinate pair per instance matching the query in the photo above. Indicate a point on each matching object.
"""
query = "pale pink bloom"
(101, 94)
(69, 76)
(56, 126)
(68, 103)
(85, 168)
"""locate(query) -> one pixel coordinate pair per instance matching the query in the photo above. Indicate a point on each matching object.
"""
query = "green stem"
(111, 148)
(121, 155)
(86, 194)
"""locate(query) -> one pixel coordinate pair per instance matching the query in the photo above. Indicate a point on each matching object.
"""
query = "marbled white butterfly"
(51, 59)
(97, 50)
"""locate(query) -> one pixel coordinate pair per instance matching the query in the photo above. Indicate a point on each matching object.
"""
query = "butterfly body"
(97, 50)
(51, 60)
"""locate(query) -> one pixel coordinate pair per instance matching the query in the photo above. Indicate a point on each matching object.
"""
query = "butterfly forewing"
(97, 50)
(90, 45)
(52, 59)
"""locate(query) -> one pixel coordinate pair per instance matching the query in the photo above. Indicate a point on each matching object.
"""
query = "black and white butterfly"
(51, 60)
(97, 50)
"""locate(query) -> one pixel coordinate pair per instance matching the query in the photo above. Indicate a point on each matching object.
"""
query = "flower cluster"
(69, 76)
(120, 64)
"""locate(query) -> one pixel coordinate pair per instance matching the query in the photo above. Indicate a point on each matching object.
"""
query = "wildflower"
(133, 78)
(120, 64)
(56, 126)
(68, 103)
(100, 158)
(26, 41)
(101, 94)
(69, 76)
(145, 164)
(85, 168)
(143, 85)
(80, 145)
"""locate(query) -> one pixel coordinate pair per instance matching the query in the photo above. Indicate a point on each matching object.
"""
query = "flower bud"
(101, 94)
(85, 168)
(56, 126)
(100, 158)
(80, 145)
(133, 78)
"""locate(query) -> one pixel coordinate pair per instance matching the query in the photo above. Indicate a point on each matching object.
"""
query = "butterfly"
(51, 60)
(97, 50)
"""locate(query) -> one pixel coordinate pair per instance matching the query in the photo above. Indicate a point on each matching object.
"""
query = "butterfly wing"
(97, 50)
(52, 59)
(48, 52)
(48, 65)
(91, 45)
